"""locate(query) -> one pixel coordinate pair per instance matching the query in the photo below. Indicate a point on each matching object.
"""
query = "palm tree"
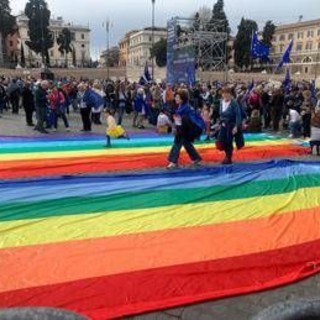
(64, 41)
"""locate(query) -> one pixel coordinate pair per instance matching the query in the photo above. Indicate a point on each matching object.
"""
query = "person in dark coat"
(14, 96)
(265, 102)
(28, 103)
(41, 101)
(231, 125)
(306, 111)
(185, 124)
(277, 104)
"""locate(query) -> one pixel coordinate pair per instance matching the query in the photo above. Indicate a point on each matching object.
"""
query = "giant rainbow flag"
(116, 244)
(37, 157)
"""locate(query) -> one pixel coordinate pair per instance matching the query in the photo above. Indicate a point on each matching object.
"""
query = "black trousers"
(180, 142)
(15, 104)
(85, 116)
(96, 118)
(41, 118)
(276, 118)
(228, 150)
(306, 123)
(29, 114)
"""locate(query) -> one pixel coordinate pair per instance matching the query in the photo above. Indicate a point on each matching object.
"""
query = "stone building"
(124, 46)
(305, 56)
(80, 44)
(140, 43)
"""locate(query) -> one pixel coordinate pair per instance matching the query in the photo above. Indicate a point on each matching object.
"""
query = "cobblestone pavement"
(240, 308)
(237, 308)
(15, 125)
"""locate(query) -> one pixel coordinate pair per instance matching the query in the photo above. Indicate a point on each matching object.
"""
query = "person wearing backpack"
(189, 126)
(57, 104)
(254, 101)
(86, 103)
(96, 111)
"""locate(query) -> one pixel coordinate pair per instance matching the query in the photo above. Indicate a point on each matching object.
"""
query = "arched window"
(307, 60)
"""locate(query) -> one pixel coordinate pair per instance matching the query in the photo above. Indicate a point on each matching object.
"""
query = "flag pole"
(251, 48)
(153, 27)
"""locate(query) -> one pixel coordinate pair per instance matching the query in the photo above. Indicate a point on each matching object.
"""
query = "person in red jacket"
(57, 101)
(254, 101)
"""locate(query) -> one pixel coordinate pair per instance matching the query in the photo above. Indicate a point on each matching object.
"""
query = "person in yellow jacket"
(113, 130)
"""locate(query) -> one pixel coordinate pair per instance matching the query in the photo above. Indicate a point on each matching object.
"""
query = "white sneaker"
(68, 129)
(172, 165)
(54, 130)
(290, 136)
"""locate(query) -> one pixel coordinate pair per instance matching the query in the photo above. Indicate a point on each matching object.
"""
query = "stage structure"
(194, 47)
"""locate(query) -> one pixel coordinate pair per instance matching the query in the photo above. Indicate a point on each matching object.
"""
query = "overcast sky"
(132, 14)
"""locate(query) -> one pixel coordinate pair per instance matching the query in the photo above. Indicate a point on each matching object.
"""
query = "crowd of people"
(293, 110)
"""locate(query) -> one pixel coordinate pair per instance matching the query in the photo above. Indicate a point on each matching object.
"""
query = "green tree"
(22, 57)
(159, 52)
(64, 42)
(201, 19)
(74, 57)
(268, 33)
(219, 23)
(196, 22)
(242, 43)
(41, 39)
(112, 57)
(7, 21)
(219, 15)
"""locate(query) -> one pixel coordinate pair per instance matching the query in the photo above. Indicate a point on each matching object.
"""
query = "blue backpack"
(93, 99)
(199, 123)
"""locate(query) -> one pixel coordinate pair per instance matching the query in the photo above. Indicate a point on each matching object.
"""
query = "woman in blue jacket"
(231, 122)
(186, 124)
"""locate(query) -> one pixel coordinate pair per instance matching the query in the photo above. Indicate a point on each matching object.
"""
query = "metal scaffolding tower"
(209, 41)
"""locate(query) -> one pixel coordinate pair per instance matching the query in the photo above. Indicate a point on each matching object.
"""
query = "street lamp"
(108, 47)
(153, 26)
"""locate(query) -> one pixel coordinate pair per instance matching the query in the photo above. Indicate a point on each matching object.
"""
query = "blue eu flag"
(251, 86)
(258, 49)
(313, 90)
(286, 56)
(190, 75)
(145, 78)
(287, 82)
